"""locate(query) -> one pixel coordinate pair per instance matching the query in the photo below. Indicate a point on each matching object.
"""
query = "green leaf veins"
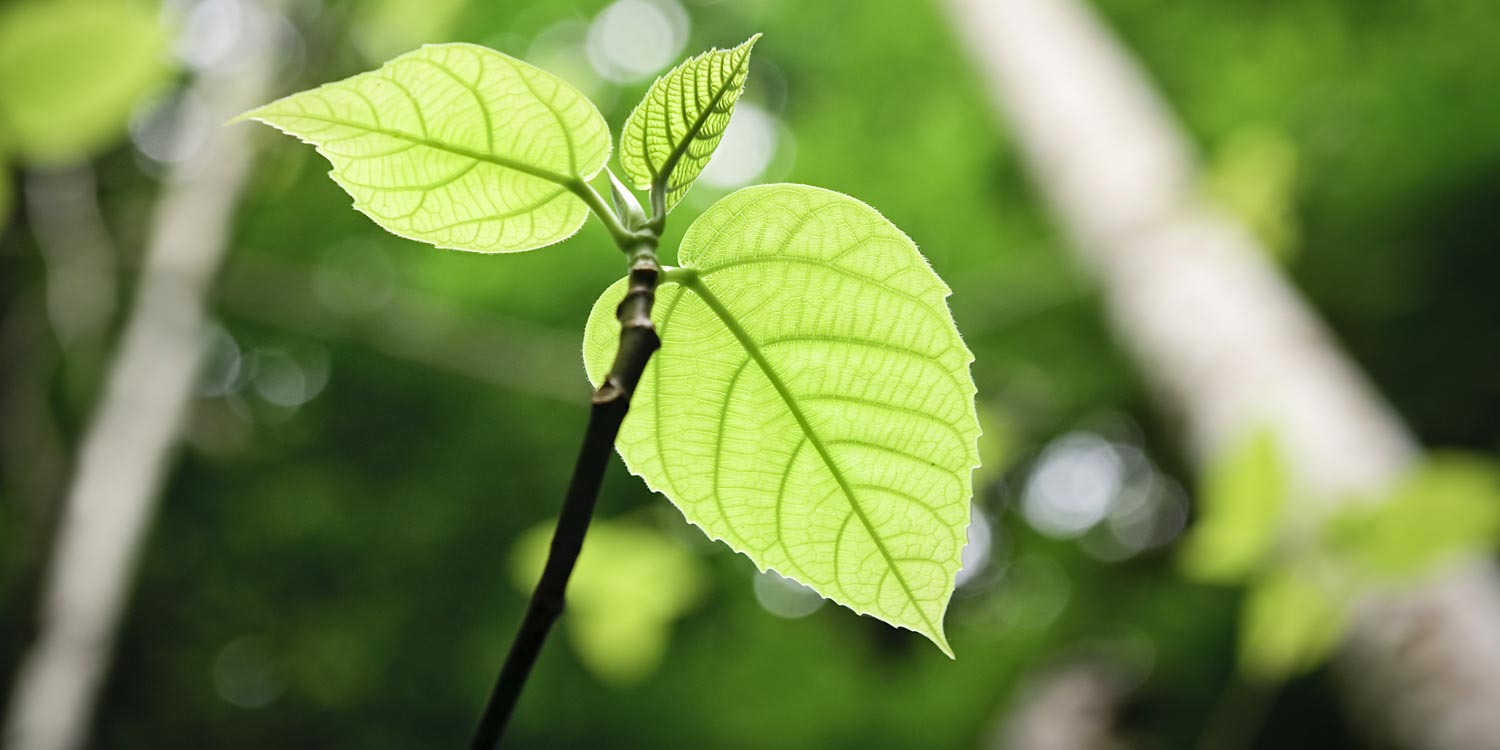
(456, 145)
(811, 404)
(671, 135)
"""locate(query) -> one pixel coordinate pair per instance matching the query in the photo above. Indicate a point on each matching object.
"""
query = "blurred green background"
(342, 549)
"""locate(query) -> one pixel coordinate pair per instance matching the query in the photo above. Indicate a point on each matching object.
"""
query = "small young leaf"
(671, 135)
(811, 404)
(455, 145)
(1240, 509)
(71, 71)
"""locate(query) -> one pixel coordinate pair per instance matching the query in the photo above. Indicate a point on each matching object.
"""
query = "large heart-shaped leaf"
(811, 404)
(456, 145)
(671, 135)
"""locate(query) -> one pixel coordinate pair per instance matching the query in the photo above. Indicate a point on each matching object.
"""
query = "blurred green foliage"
(1305, 566)
(1448, 507)
(1239, 512)
(361, 540)
(71, 71)
(632, 582)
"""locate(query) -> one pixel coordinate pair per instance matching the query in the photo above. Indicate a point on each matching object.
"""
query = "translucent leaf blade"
(455, 145)
(673, 132)
(811, 405)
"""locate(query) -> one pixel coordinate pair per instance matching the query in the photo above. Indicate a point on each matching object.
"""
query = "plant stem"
(610, 402)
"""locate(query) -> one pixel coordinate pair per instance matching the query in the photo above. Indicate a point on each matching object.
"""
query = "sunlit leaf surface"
(673, 132)
(72, 71)
(456, 145)
(811, 404)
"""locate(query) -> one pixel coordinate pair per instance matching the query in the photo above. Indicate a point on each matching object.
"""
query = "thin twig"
(638, 341)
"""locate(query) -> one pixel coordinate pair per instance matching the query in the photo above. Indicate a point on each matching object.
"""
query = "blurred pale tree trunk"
(135, 428)
(1229, 345)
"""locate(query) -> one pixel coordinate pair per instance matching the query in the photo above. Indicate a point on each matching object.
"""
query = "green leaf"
(671, 135)
(456, 145)
(1289, 623)
(71, 71)
(1240, 509)
(811, 404)
(629, 585)
(1448, 507)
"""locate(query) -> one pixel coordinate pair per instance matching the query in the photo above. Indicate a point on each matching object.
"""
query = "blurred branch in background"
(1229, 345)
(1071, 706)
(63, 209)
(413, 326)
(131, 437)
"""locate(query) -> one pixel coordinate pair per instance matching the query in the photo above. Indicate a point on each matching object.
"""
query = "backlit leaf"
(631, 583)
(455, 145)
(673, 132)
(71, 71)
(811, 404)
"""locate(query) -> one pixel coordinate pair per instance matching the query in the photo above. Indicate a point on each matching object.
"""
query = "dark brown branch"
(638, 341)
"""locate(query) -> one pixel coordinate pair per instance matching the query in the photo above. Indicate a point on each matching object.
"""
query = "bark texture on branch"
(1229, 345)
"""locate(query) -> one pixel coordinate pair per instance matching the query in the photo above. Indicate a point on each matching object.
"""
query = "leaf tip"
(940, 640)
(246, 116)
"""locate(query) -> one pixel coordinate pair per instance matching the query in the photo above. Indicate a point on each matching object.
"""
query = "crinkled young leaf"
(456, 145)
(811, 404)
(71, 71)
(673, 132)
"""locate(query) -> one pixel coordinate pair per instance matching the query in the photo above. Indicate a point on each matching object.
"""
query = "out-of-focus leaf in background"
(631, 583)
(72, 70)
(1445, 508)
(1289, 622)
(1240, 508)
(1253, 174)
(383, 29)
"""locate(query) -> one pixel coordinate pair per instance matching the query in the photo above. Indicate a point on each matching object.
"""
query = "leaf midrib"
(564, 180)
(694, 283)
(670, 165)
